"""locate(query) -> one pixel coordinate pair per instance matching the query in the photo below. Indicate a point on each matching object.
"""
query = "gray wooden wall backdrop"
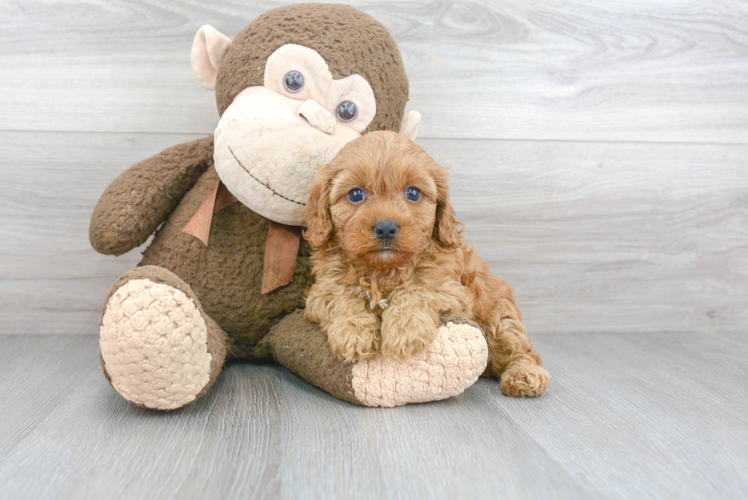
(599, 149)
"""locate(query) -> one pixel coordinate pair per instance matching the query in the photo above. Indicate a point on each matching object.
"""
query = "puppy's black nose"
(386, 230)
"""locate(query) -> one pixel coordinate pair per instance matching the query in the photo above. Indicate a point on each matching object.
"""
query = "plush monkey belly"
(226, 274)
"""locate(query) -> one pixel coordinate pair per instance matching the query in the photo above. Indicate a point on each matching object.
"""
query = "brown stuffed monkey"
(226, 270)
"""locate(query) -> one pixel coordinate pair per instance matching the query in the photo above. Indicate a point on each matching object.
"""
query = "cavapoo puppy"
(390, 261)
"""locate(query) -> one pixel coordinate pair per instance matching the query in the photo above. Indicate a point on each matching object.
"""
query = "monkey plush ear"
(410, 124)
(208, 50)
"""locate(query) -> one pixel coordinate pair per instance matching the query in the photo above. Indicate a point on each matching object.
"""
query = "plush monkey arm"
(142, 197)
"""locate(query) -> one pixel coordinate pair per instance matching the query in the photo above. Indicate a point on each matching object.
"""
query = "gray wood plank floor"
(626, 416)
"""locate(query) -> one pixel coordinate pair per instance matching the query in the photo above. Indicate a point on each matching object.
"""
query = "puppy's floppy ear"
(317, 211)
(446, 228)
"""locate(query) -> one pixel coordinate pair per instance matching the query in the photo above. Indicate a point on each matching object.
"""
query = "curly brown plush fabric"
(227, 274)
(302, 347)
(136, 202)
(350, 41)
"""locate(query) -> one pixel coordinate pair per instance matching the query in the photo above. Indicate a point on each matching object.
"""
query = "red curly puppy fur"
(390, 260)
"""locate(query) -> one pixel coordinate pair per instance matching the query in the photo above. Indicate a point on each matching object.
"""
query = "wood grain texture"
(626, 416)
(595, 237)
(26, 391)
(623, 70)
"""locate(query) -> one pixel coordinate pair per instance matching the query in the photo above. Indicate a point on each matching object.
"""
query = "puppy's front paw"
(355, 337)
(406, 333)
(524, 380)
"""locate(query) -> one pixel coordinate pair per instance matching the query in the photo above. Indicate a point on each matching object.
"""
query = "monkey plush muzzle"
(267, 149)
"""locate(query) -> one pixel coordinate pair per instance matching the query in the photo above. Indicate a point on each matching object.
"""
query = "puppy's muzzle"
(386, 230)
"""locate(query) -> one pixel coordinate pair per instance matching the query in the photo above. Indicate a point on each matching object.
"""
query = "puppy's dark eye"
(293, 81)
(346, 111)
(356, 195)
(413, 194)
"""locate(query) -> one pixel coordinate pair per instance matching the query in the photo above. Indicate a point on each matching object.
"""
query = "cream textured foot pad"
(154, 343)
(453, 362)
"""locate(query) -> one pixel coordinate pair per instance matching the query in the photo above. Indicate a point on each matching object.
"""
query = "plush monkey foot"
(159, 349)
(452, 363)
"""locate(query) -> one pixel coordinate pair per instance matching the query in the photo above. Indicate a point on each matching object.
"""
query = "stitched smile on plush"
(266, 185)
(277, 134)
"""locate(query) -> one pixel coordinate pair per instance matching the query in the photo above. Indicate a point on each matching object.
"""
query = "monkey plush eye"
(346, 111)
(413, 194)
(356, 195)
(293, 81)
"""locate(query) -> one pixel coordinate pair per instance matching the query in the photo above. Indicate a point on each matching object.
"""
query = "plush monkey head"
(292, 88)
